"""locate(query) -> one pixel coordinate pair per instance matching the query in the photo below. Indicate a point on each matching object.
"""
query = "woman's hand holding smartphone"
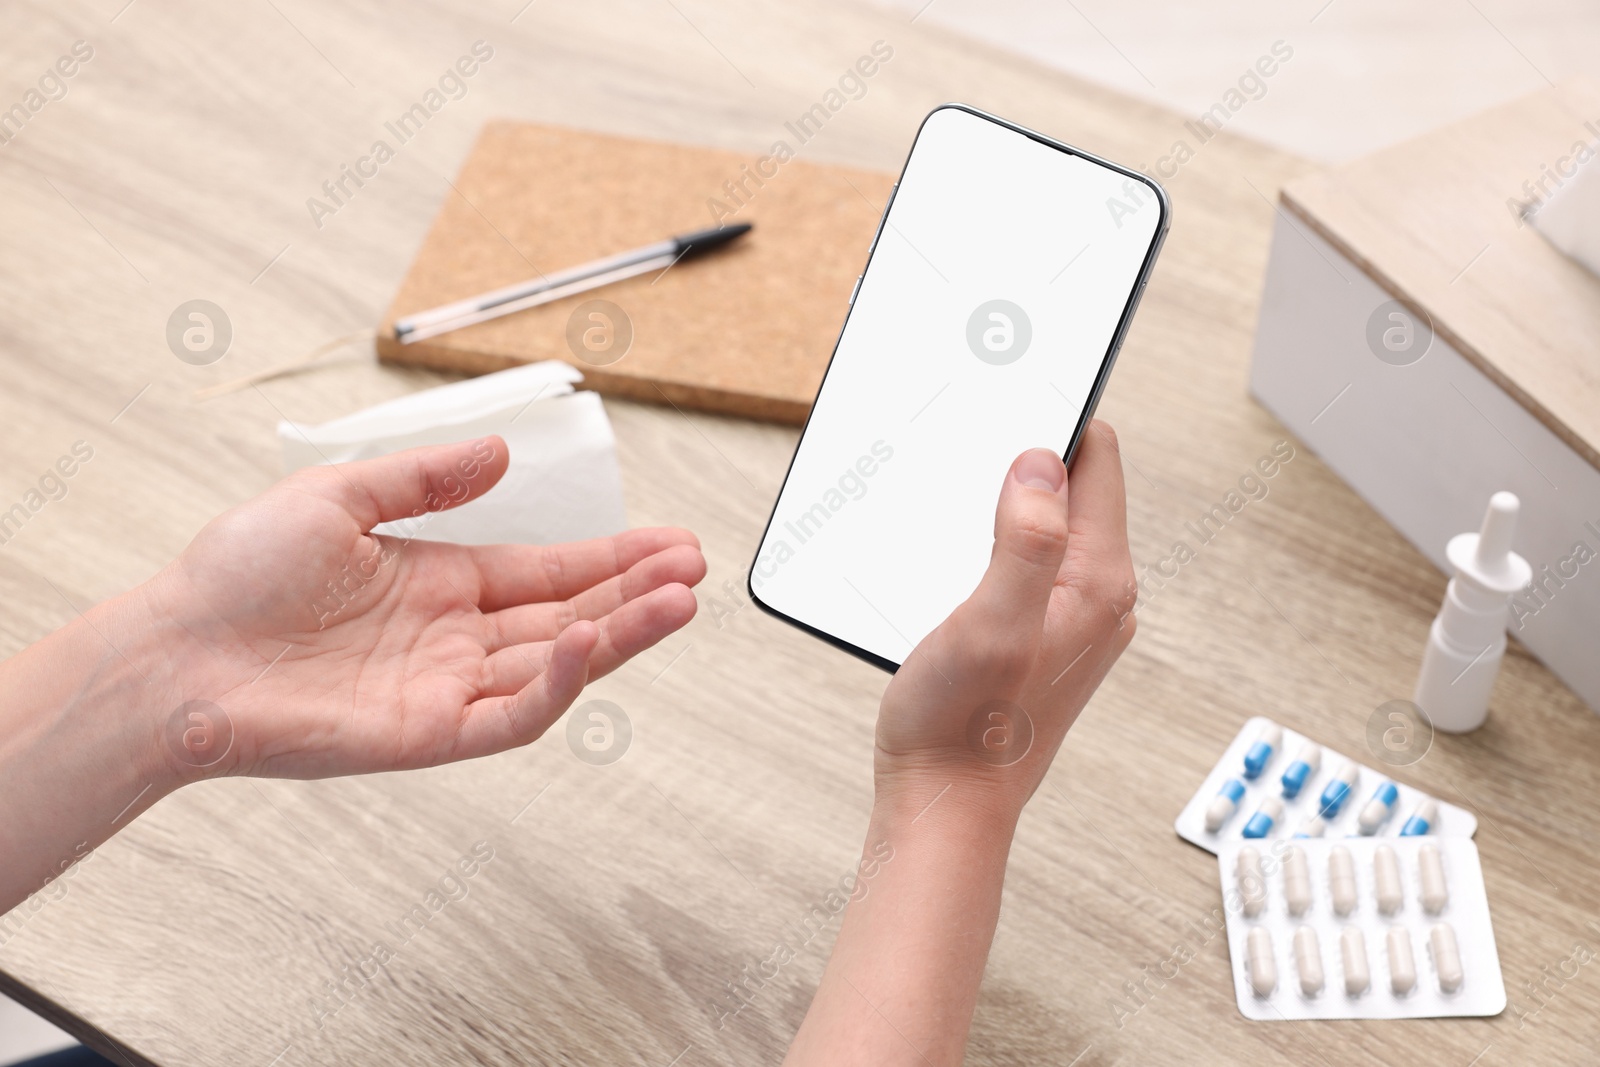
(991, 310)
(966, 731)
(985, 700)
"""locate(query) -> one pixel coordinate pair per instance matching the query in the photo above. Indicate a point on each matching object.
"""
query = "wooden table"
(620, 900)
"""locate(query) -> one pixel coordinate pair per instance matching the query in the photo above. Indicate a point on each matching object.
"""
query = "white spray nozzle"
(1485, 557)
(1499, 524)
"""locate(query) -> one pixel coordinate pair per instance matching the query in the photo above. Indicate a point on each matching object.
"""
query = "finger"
(624, 633)
(640, 624)
(680, 564)
(1098, 524)
(493, 724)
(410, 484)
(1094, 621)
(509, 575)
(1030, 537)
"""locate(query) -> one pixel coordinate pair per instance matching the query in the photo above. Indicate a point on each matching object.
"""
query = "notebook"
(746, 330)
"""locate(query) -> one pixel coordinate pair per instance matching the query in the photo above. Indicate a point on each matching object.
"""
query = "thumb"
(412, 483)
(1005, 613)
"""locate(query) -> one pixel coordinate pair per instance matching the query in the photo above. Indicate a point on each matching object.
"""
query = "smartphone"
(997, 290)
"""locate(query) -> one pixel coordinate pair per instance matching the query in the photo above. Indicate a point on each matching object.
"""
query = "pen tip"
(706, 240)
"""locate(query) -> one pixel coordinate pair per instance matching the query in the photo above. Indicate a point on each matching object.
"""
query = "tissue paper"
(562, 483)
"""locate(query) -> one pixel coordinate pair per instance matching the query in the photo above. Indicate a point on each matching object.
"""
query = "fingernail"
(1040, 468)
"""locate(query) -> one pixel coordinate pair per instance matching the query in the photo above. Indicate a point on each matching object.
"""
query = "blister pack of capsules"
(1359, 928)
(1273, 783)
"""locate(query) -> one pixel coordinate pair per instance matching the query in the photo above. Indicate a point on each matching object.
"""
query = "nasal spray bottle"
(1468, 637)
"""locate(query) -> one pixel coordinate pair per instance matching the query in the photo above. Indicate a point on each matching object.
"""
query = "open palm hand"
(332, 650)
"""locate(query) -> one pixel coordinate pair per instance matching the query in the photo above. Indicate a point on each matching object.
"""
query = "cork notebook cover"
(745, 330)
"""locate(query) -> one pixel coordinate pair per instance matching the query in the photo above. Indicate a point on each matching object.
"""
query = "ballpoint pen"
(543, 290)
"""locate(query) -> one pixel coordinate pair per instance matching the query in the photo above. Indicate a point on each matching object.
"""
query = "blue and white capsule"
(1338, 791)
(1224, 804)
(1314, 827)
(1422, 820)
(1265, 818)
(1305, 764)
(1379, 808)
(1260, 753)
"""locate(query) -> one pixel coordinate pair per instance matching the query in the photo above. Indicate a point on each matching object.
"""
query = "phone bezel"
(1101, 376)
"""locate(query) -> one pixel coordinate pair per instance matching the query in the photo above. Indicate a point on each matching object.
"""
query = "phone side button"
(856, 289)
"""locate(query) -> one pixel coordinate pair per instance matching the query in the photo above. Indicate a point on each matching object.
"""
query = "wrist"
(126, 671)
(167, 672)
(80, 742)
(957, 805)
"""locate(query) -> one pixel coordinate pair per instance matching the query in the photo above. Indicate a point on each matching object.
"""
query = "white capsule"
(1252, 883)
(1446, 957)
(1263, 968)
(1296, 881)
(1342, 880)
(1430, 873)
(1402, 965)
(1353, 950)
(1308, 960)
(1386, 880)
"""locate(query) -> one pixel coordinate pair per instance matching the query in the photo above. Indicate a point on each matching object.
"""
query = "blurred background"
(1364, 74)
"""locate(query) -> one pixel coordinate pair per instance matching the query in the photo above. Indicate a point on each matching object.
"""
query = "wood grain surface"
(1438, 222)
(620, 900)
(745, 331)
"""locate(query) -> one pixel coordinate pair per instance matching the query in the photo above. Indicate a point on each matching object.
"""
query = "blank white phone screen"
(978, 331)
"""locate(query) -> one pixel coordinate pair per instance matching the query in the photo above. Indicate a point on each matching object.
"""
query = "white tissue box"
(1432, 348)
